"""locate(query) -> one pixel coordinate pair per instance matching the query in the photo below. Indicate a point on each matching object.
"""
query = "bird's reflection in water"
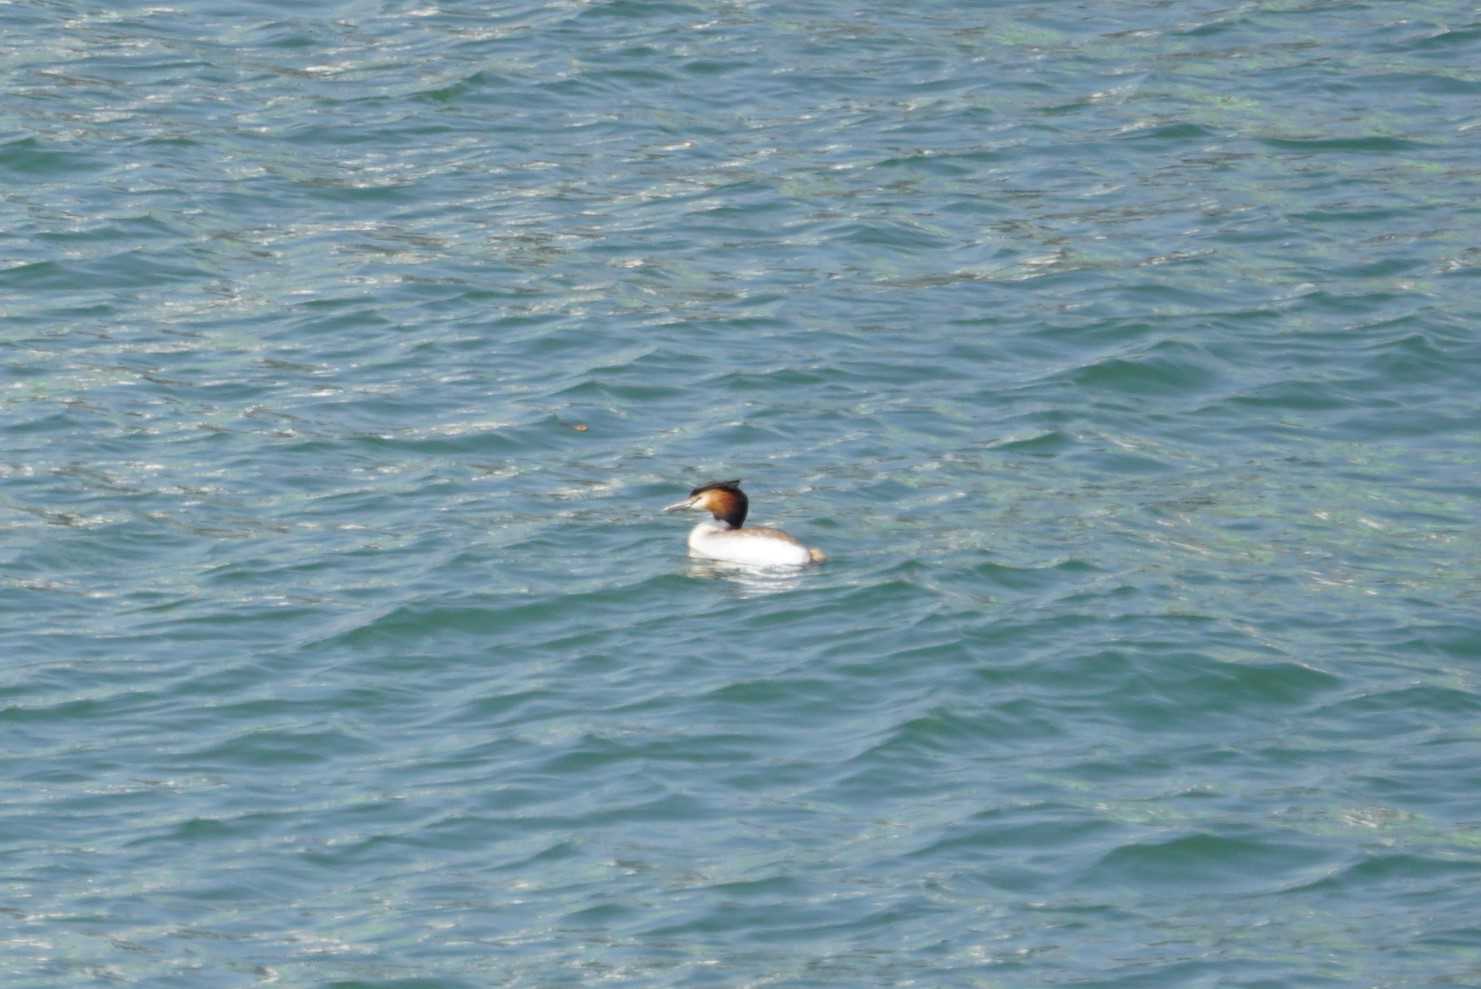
(750, 579)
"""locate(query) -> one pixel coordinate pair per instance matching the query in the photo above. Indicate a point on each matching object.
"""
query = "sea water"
(1123, 357)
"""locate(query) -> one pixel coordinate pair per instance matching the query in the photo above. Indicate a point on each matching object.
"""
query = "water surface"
(1123, 358)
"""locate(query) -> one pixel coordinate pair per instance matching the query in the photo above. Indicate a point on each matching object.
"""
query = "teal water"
(1123, 357)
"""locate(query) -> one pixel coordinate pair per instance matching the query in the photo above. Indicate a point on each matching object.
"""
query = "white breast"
(759, 547)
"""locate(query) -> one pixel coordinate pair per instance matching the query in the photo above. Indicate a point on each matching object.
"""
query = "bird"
(723, 538)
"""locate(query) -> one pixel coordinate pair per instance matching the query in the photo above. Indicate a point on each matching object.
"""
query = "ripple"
(1209, 863)
(355, 351)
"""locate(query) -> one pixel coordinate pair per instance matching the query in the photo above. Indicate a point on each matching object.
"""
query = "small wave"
(1374, 144)
(1208, 862)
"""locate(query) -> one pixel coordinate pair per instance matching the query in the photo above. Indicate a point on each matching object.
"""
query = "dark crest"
(718, 486)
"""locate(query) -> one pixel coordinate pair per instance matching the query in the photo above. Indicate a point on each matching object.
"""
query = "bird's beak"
(680, 505)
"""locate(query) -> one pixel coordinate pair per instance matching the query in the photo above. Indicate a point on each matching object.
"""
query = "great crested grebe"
(722, 538)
